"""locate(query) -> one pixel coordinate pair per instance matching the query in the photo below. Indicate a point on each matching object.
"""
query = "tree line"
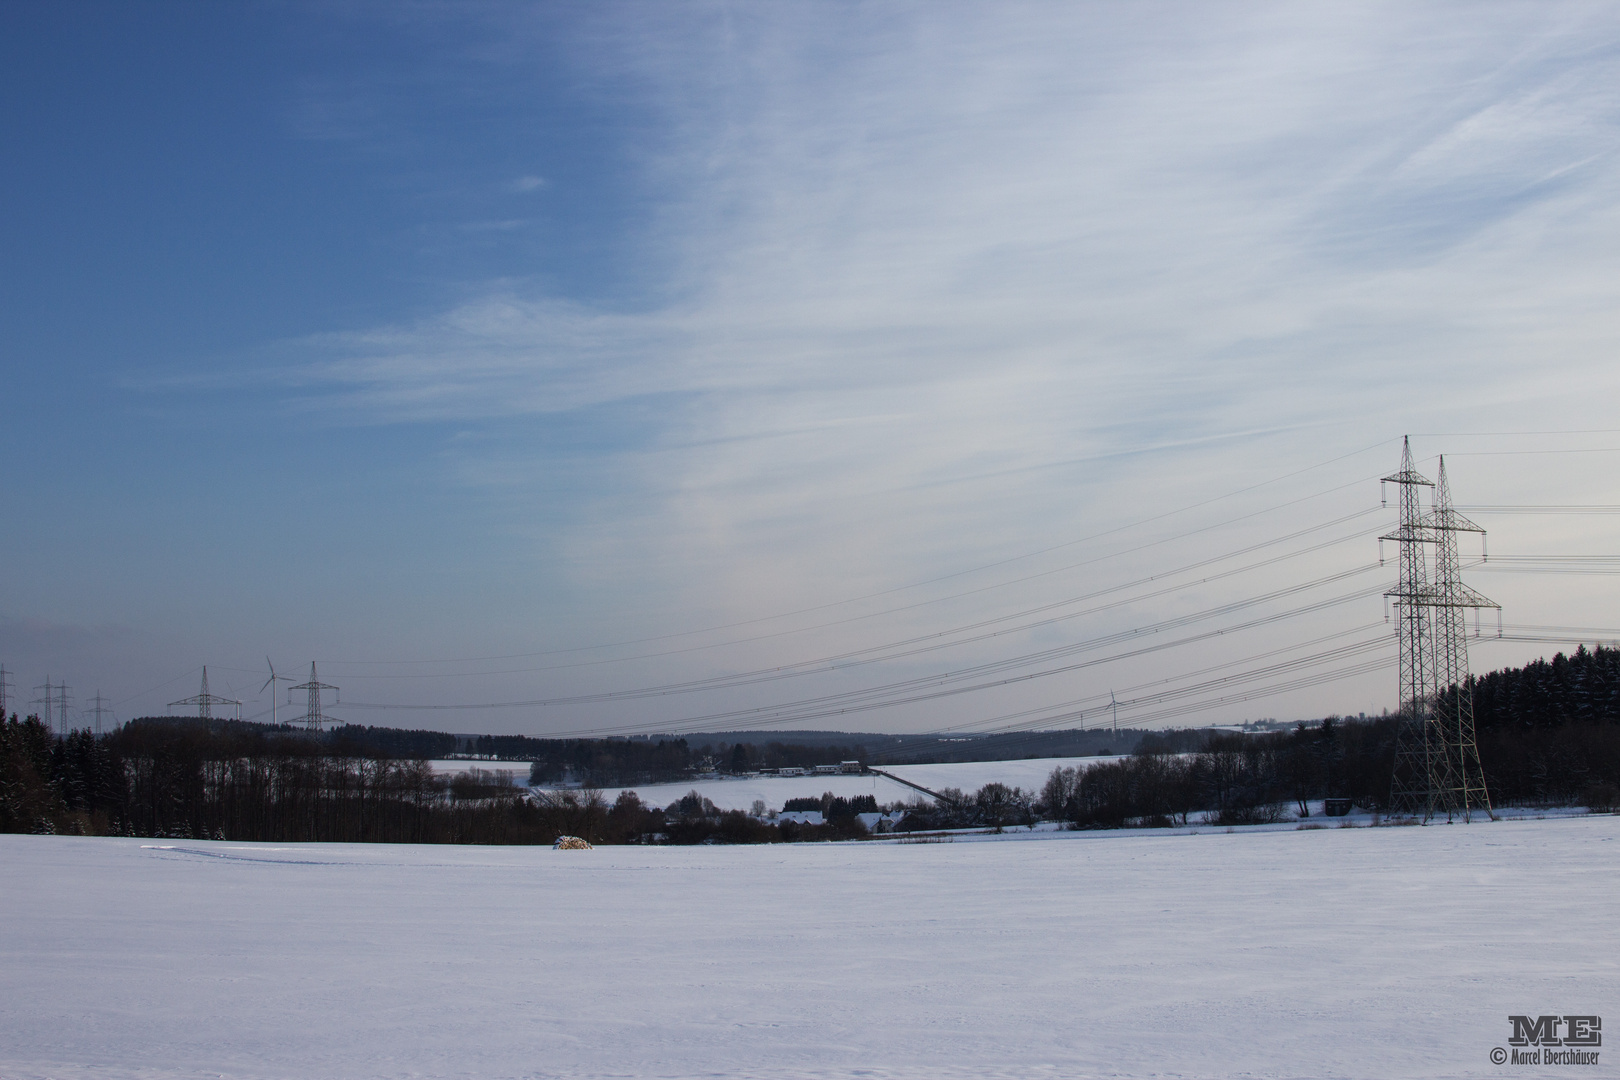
(1549, 733)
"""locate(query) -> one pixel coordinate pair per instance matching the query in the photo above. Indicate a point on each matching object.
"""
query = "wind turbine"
(271, 683)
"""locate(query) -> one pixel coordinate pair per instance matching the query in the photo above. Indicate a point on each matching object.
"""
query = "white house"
(880, 823)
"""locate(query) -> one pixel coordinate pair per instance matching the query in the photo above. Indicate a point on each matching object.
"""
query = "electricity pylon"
(1454, 691)
(99, 709)
(47, 701)
(313, 718)
(1412, 788)
(5, 689)
(1437, 765)
(205, 702)
(59, 701)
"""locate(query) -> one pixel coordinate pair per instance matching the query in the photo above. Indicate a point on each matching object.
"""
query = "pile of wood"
(570, 843)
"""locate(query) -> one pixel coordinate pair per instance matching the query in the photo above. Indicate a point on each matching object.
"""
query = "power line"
(944, 577)
(926, 643)
(918, 690)
(1078, 708)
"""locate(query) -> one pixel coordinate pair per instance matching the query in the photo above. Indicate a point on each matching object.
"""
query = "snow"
(1394, 952)
(517, 770)
(1029, 773)
(739, 793)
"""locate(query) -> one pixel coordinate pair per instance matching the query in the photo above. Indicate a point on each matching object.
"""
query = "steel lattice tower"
(1437, 765)
(1465, 790)
(205, 701)
(1412, 790)
(314, 717)
(48, 702)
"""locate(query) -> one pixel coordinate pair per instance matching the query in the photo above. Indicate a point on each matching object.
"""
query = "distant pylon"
(58, 701)
(45, 714)
(313, 717)
(99, 709)
(205, 702)
(5, 690)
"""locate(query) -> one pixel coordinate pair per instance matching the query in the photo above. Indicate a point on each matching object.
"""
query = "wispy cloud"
(913, 245)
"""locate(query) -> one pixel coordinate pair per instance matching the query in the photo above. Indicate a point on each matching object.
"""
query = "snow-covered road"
(1336, 952)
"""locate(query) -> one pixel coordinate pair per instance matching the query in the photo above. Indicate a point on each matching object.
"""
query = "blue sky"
(387, 333)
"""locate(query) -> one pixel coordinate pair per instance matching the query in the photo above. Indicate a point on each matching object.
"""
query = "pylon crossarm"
(1449, 521)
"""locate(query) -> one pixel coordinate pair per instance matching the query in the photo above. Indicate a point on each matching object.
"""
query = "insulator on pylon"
(1381, 556)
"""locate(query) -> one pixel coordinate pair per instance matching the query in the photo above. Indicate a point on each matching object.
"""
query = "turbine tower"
(271, 683)
(313, 718)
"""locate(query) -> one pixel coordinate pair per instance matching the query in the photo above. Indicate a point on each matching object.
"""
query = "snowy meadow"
(1284, 953)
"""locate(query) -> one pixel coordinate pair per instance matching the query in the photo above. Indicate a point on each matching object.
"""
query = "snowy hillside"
(1393, 952)
(517, 770)
(739, 793)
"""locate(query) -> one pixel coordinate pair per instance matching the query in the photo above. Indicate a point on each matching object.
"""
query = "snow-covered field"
(1366, 952)
(517, 770)
(739, 793)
